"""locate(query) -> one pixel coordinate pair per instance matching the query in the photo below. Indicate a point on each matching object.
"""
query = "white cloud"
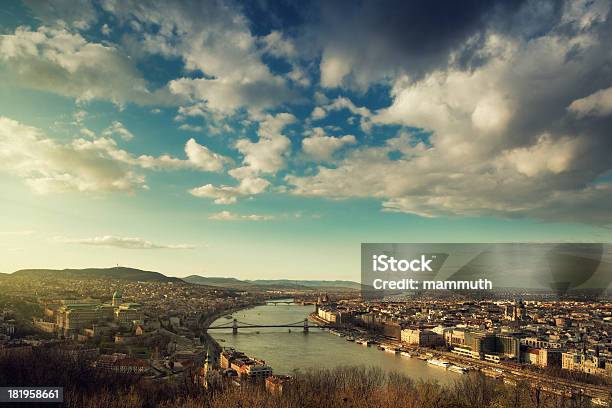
(214, 39)
(229, 216)
(596, 104)
(279, 46)
(79, 116)
(364, 113)
(48, 166)
(334, 68)
(546, 155)
(221, 194)
(57, 60)
(230, 94)
(118, 129)
(199, 157)
(105, 30)
(191, 128)
(203, 158)
(322, 147)
(123, 242)
(81, 15)
(425, 182)
(88, 165)
(268, 154)
(230, 194)
(87, 132)
(318, 113)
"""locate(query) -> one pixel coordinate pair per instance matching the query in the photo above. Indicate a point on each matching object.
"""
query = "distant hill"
(309, 283)
(284, 283)
(215, 281)
(130, 274)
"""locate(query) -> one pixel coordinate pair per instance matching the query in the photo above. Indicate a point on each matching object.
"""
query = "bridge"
(235, 325)
(281, 302)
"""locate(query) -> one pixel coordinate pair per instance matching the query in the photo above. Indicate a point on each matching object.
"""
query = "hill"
(215, 281)
(309, 283)
(119, 272)
(279, 283)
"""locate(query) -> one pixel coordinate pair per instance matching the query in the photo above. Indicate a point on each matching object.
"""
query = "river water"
(286, 352)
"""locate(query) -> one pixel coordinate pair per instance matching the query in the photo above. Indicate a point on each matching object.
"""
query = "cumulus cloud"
(229, 216)
(344, 103)
(49, 166)
(486, 109)
(191, 128)
(60, 61)
(117, 129)
(545, 156)
(124, 243)
(80, 15)
(231, 94)
(318, 113)
(321, 146)
(279, 46)
(203, 158)
(597, 104)
(268, 154)
(87, 165)
(230, 194)
(214, 39)
(499, 140)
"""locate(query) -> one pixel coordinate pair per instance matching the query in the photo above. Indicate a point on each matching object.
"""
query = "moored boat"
(438, 363)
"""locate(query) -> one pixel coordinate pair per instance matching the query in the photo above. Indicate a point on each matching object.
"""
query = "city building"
(421, 337)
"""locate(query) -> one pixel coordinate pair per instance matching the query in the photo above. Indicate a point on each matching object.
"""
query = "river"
(286, 352)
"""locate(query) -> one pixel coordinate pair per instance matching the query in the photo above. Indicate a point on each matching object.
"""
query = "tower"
(207, 376)
(207, 362)
(521, 310)
(117, 299)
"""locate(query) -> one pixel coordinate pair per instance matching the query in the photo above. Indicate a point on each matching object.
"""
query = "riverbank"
(512, 374)
(214, 347)
(288, 350)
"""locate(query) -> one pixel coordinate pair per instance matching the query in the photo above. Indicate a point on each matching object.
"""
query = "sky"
(266, 139)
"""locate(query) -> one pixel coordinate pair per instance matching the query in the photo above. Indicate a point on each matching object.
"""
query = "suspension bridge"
(235, 325)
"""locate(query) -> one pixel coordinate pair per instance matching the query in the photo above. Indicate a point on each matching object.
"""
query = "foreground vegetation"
(356, 387)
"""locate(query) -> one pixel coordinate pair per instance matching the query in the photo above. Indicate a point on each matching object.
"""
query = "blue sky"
(269, 139)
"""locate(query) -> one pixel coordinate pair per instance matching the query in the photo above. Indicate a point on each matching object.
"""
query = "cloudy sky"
(269, 139)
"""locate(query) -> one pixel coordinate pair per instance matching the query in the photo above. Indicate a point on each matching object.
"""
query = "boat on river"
(438, 363)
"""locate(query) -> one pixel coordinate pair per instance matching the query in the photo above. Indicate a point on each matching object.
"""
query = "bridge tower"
(235, 326)
(305, 326)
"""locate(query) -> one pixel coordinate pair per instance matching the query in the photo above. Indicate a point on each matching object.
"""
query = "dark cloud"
(382, 39)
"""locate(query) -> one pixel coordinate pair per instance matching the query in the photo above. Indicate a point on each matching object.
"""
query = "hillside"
(130, 274)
